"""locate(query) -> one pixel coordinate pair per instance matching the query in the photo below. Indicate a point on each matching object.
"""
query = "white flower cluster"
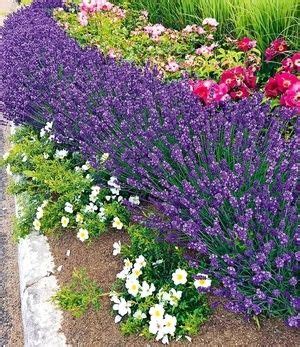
(115, 190)
(160, 322)
(39, 215)
(47, 130)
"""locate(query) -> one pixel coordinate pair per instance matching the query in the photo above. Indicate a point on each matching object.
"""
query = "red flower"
(296, 60)
(233, 77)
(291, 97)
(250, 79)
(271, 88)
(285, 80)
(241, 93)
(245, 44)
(276, 47)
(287, 65)
(209, 91)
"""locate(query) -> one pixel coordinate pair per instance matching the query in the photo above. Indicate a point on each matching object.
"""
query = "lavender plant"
(223, 178)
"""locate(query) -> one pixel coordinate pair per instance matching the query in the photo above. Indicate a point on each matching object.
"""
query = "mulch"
(98, 328)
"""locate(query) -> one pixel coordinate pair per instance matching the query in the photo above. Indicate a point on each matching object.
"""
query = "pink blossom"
(83, 19)
(291, 97)
(245, 44)
(212, 22)
(172, 66)
(200, 30)
(209, 91)
(188, 29)
(203, 50)
(155, 30)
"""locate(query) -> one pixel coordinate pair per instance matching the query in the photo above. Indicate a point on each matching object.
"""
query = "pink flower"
(285, 80)
(155, 30)
(200, 30)
(172, 66)
(209, 91)
(241, 93)
(83, 19)
(203, 50)
(291, 97)
(212, 22)
(296, 60)
(245, 44)
(276, 47)
(188, 29)
(239, 76)
(103, 5)
(291, 64)
(271, 88)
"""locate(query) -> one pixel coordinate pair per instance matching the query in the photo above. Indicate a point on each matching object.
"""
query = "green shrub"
(79, 295)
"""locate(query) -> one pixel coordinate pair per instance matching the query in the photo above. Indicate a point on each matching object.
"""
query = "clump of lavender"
(225, 182)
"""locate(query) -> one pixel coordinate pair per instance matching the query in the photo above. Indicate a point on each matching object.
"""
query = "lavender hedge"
(223, 178)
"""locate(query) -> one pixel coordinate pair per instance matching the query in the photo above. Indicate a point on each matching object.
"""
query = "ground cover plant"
(223, 177)
(58, 190)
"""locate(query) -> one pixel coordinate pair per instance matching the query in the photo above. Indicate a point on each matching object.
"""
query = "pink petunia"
(245, 44)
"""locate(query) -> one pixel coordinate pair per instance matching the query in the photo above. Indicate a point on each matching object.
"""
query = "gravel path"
(10, 312)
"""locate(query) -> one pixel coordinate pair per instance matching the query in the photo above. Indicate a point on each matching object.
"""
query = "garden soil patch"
(98, 328)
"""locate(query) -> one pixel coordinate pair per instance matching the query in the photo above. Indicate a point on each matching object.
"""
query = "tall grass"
(263, 20)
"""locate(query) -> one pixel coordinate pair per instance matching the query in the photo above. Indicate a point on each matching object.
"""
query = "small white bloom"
(90, 208)
(117, 248)
(42, 132)
(118, 318)
(104, 157)
(113, 182)
(108, 197)
(46, 156)
(155, 325)
(165, 340)
(146, 289)
(210, 21)
(86, 166)
(69, 207)
(175, 296)
(64, 221)
(51, 137)
(117, 223)
(59, 268)
(96, 190)
(115, 191)
(157, 312)
(158, 262)
(37, 224)
(123, 274)
(140, 261)
(122, 306)
(135, 200)
(79, 218)
(179, 277)
(169, 324)
(5, 155)
(48, 126)
(127, 264)
(44, 204)
(120, 199)
(132, 286)
(136, 272)
(139, 315)
(68, 253)
(60, 154)
(24, 158)
(203, 282)
(39, 213)
(83, 234)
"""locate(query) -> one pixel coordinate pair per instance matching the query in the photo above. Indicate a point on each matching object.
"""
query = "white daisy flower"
(64, 221)
(179, 277)
(139, 315)
(60, 154)
(117, 223)
(146, 289)
(83, 234)
(135, 200)
(68, 207)
(157, 312)
(37, 224)
(204, 282)
(132, 286)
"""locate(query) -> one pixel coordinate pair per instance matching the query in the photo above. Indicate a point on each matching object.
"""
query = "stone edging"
(41, 318)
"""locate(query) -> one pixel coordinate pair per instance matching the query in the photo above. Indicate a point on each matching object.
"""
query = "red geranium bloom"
(296, 60)
(291, 97)
(285, 80)
(250, 79)
(233, 77)
(241, 93)
(276, 47)
(280, 45)
(245, 44)
(209, 91)
(287, 65)
(271, 88)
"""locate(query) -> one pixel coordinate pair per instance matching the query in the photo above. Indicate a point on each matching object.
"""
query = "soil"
(98, 328)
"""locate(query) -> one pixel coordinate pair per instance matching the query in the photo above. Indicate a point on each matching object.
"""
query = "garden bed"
(128, 126)
(98, 327)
